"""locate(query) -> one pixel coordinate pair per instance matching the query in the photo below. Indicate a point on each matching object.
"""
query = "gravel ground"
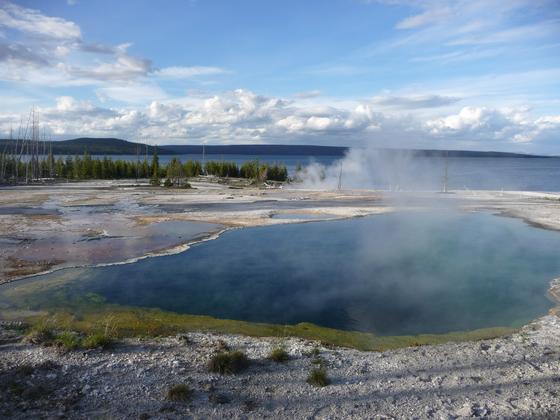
(512, 377)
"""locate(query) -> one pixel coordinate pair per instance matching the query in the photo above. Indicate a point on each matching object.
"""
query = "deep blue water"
(391, 274)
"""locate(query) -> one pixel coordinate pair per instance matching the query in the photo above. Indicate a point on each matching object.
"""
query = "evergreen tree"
(155, 180)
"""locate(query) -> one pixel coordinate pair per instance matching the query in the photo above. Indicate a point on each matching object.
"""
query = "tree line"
(175, 172)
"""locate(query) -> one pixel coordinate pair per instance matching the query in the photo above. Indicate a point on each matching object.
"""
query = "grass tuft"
(229, 362)
(97, 340)
(279, 355)
(41, 335)
(67, 340)
(179, 393)
(318, 377)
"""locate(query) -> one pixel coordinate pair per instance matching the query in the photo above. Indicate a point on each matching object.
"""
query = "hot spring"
(407, 272)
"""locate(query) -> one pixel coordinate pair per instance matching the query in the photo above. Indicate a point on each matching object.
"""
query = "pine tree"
(155, 181)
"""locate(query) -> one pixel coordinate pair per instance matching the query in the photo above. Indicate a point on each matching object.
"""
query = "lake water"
(527, 174)
(390, 274)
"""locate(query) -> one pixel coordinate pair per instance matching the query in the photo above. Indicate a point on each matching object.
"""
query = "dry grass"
(179, 393)
(228, 362)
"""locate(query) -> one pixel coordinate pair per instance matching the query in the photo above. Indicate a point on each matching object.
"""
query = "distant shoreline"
(114, 146)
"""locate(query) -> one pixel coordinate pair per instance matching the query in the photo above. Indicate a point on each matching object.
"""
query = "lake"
(419, 173)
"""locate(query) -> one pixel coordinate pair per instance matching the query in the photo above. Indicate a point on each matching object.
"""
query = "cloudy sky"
(464, 74)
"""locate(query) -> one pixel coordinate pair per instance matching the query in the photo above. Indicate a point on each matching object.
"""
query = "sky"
(463, 74)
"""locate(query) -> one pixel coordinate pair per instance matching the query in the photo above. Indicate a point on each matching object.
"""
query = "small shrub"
(68, 340)
(179, 393)
(228, 362)
(96, 340)
(40, 335)
(167, 183)
(279, 355)
(318, 377)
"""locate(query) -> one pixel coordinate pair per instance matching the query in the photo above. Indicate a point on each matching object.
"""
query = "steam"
(392, 170)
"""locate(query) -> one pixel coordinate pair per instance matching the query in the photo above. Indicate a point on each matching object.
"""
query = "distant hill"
(460, 153)
(94, 146)
(114, 146)
(259, 149)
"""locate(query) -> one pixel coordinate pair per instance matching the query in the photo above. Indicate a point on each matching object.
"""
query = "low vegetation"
(179, 393)
(228, 362)
(318, 377)
(68, 340)
(89, 317)
(42, 334)
(97, 340)
(279, 355)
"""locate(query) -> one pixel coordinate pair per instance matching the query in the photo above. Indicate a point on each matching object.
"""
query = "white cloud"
(56, 45)
(415, 101)
(308, 94)
(442, 26)
(177, 72)
(430, 16)
(520, 33)
(242, 116)
(133, 93)
(33, 22)
(124, 68)
(503, 125)
(17, 54)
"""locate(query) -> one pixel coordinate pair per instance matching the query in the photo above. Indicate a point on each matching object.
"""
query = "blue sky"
(478, 74)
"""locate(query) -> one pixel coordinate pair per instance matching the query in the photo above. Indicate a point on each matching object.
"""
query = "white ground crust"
(515, 377)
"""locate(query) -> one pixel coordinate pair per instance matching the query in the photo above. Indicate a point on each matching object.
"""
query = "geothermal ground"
(44, 228)
(48, 227)
(510, 377)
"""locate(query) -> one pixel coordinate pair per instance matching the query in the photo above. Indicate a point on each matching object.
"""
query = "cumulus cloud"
(242, 116)
(505, 125)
